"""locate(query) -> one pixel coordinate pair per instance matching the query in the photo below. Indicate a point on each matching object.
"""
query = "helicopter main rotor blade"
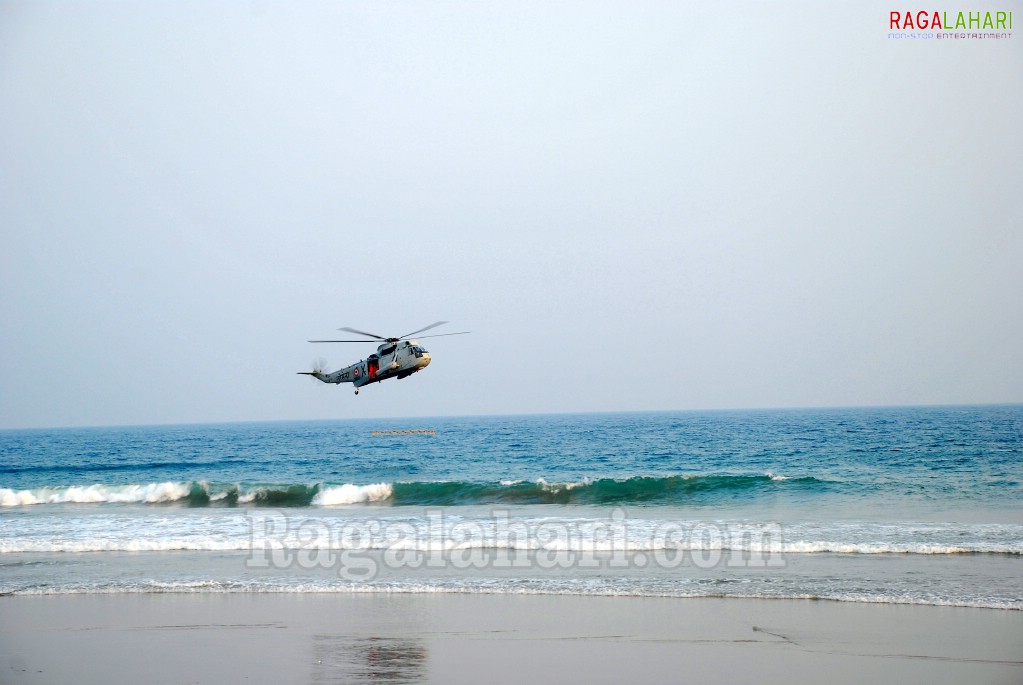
(432, 325)
(371, 335)
(441, 335)
(390, 340)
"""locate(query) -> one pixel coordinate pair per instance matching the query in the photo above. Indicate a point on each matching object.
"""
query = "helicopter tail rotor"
(319, 370)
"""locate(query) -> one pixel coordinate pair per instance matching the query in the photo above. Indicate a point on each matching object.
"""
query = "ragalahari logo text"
(949, 25)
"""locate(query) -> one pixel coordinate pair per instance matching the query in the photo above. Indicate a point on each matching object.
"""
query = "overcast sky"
(632, 205)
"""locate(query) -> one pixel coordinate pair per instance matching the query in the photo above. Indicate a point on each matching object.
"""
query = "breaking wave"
(636, 490)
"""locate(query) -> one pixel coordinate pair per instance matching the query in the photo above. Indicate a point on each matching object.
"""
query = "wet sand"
(445, 638)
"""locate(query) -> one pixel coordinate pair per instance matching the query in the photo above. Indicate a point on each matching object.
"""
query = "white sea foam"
(248, 497)
(241, 529)
(555, 488)
(125, 545)
(92, 494)
(353, 494)
(548, 587)
(819, 547)
(16, 498)
(448, 545)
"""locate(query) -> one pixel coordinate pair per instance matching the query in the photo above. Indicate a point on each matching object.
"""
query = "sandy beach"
(445, 638)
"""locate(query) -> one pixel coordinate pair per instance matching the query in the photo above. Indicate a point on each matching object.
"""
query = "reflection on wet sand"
(360, 659)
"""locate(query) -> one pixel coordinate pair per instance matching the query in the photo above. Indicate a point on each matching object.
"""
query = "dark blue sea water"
(920, 505)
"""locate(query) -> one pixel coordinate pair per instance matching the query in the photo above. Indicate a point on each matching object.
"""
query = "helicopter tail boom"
(315, 374)
(335, 377)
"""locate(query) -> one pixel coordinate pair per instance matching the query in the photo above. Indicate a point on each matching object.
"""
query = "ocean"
(919, 505)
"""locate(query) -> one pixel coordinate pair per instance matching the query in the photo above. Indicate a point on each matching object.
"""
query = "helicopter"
(395, 358)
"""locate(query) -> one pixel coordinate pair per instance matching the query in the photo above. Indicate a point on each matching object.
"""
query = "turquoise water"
(920, 505)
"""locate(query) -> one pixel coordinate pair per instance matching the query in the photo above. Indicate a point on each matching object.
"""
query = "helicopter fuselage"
(391, 360)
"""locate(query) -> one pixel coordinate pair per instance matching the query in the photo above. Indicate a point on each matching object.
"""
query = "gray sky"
(632, 206)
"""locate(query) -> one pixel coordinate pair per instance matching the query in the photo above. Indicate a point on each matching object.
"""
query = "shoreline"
(469, 638)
